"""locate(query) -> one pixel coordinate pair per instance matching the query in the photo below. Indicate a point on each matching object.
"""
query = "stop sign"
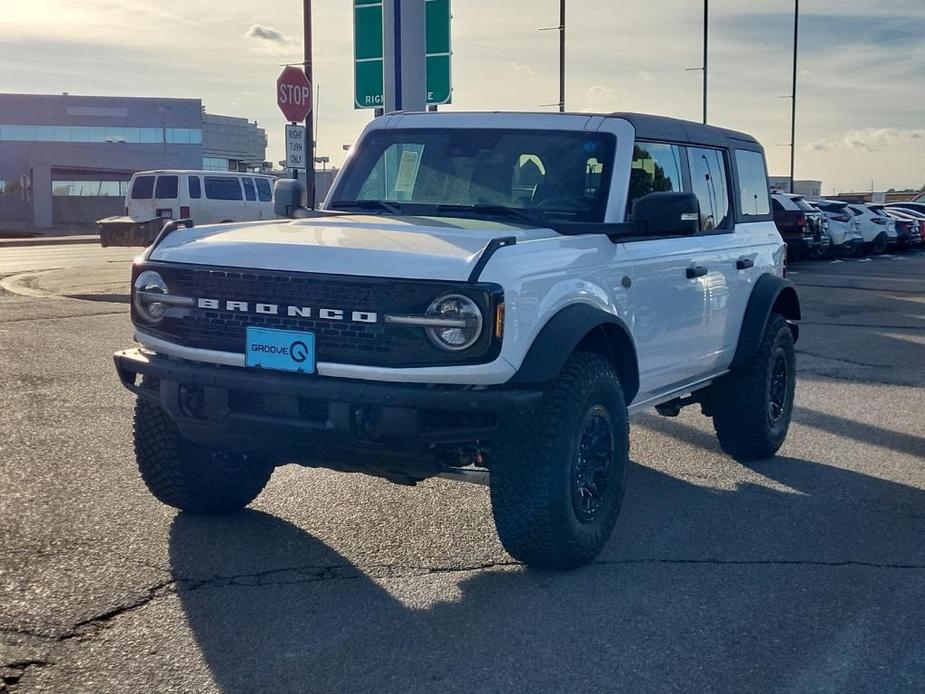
(293, 94)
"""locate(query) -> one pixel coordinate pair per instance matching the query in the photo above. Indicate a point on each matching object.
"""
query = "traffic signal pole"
(309, 118)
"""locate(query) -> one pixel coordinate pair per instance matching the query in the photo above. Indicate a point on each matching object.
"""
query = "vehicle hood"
(366, 245)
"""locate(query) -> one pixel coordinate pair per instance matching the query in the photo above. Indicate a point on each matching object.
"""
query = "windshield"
(528, 176)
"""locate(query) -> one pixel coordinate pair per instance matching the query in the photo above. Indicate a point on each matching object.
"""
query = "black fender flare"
(562, 335)
(770, 294)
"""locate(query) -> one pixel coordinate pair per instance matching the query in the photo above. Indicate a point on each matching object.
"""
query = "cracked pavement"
(804, 573)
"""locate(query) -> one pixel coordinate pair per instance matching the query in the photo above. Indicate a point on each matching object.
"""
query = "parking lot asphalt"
(804, 573)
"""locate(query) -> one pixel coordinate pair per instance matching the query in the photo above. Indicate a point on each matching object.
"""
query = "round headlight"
(149, 285)
(457, 322)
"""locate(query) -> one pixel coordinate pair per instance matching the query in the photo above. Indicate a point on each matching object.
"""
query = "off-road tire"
(188, 476)
(741, 401)
(533, 469)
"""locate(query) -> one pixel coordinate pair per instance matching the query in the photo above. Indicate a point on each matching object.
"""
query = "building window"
(214, 164)
(114, 189)
(184, 136)
(114, 134)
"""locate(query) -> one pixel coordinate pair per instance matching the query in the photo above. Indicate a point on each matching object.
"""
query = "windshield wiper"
(493, 210)
(381, 205)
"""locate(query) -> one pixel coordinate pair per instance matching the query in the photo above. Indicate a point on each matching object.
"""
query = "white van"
(206, 197)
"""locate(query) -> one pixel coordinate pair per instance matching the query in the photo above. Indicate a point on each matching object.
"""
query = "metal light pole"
(561, 56)
(793, 95)
(309, 118)
(706, 17)
(706, 55)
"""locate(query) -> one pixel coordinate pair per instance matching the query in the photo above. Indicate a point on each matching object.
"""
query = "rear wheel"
(752, 405)
(557, 483)
(880, 244)
(191, 477)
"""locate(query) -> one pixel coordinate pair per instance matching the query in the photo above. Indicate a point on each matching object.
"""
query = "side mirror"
(668, 214)
(287, 197)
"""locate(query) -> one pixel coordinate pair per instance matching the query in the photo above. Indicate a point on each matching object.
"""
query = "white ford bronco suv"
(485, 297)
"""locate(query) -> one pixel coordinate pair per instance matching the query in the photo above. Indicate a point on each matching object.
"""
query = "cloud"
(599, 99)
(521, 69)
(270, 42)
(868, 139)
(262, 33)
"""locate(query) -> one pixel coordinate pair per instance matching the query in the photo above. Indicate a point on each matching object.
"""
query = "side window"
(709, 184)
(195, 187)
(656, 168)
(264, 192)
(753, 184)
(249, 192)
(223, 188)
(166, 187)
(777, 206)
(143, 188)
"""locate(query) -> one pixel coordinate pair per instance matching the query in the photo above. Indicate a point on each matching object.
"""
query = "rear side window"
(263, 190)
(778, 206)
(753, 184)
(709, 184)
(656, 168)
(143, 188)
(249, 188)
(166, 187)
(195, 187)
(223, 188)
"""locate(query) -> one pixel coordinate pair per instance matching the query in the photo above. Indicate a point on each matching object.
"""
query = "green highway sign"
(367, 53)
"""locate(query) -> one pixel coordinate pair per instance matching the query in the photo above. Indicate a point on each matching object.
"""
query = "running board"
(683, 392)
(470, 474)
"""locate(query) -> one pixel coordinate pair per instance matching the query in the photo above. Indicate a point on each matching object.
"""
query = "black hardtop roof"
(653, 127)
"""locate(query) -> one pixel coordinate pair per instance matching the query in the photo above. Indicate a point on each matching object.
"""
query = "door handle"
(696, 271)
(744, 263)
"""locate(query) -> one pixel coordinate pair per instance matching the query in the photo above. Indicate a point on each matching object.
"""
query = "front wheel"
(188, 476)
(557, 483)
(752, 405)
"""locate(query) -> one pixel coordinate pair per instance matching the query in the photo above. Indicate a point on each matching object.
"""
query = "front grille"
(346, 341)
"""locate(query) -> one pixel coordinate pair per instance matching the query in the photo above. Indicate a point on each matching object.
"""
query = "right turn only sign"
(296, 147)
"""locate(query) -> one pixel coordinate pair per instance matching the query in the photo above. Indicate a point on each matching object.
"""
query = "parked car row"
(832, 228)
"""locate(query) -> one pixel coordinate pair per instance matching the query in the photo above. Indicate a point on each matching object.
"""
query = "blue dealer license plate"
(283, 350)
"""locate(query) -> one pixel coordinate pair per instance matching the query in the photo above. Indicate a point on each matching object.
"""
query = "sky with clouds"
(861, 87)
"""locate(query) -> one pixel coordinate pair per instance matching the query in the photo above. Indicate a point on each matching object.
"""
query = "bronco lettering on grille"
(332, 314)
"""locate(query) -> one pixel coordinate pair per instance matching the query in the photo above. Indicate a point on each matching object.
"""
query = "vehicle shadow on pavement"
(813, 586)
(861, 431)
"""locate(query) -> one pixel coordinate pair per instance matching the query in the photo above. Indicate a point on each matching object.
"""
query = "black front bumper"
(296, 415)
